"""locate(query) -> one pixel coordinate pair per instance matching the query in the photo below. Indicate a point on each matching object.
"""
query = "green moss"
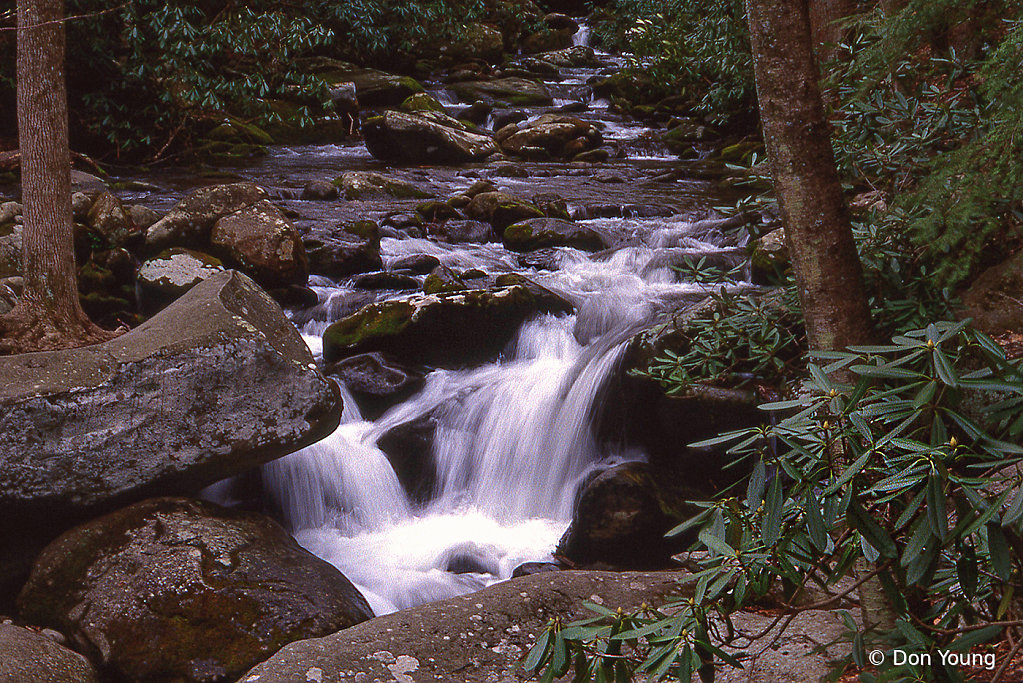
(412, 84)
(421, 102)
(366, 229)
(377, 320)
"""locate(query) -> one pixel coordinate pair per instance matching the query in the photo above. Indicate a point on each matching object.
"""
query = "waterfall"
(582, 36)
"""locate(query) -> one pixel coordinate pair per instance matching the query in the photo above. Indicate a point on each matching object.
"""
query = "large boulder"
(477, 638)
(217, 383)
(992, 300)
(409, 448)
(501, 209)
(373, 88)
(516, 92)
(454, 329)
(424, 138)
(540, 233)
(189, 223)
(348, 248)
(261, 241)
(30, 657)
(173, 590)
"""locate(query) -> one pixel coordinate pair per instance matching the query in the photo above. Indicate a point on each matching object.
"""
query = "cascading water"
(513, 441)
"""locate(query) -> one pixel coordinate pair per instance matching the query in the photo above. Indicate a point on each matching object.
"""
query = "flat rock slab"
(476, 638)
(217, 383)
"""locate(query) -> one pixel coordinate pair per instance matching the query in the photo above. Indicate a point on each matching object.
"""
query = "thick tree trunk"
(49, 315)
(817, 228)
(814, 213)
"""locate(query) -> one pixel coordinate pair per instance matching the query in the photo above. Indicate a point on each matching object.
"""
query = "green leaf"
(538, 652)
(774, 506)
(1001, 559)
(757, 482)
(974, 638)
(966, 570)
(917, 542)
(815, 522)
(946, 373)
(716, 544)
(870, 530)
(849, 473)
(937, 516)
(559, 658)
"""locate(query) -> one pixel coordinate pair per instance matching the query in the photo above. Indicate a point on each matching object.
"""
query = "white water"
(514, 438)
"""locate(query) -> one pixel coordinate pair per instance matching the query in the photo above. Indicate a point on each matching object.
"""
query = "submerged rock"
(424, 138)
(409, 448)
(173, 590)
(216, 383)
(376, 381)
(447, 330)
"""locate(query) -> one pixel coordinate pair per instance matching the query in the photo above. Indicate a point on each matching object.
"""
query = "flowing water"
(514, 437)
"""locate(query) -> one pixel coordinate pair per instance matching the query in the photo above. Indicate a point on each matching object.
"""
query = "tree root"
(26, 329)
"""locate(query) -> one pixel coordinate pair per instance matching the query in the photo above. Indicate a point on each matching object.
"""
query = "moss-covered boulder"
(539, 233)
(507, 91)
(373, 88)
(424, 138)
(446, 330)
(421, 102)
(173, 590)
(501, 209)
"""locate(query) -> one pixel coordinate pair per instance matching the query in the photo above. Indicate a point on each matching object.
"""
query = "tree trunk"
(824, 257)
(825, 16)
(814, 213)
(49, 314)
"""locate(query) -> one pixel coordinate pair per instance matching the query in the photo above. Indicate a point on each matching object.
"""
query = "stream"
(514, 439)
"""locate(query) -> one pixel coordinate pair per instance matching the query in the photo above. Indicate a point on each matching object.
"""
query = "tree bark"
(49, 314)
(825, 16)
(820, 240)
(824, 257)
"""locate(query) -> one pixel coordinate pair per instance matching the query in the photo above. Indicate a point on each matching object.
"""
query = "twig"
(1008, 660)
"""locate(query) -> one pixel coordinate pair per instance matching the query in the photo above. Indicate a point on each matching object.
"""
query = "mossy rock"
(235, 130)
(540, 233)
(361, 185)
(422, 102)
(455, 329)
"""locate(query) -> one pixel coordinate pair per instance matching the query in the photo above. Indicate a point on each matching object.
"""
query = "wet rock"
(87, 183)
(191, 220)
(409, 449)
(421, 102)
(594, 156)
(294, 296)
(539, 233)
(478, 41)
(770, 256)
(261, 241)
(594, 210)
(546, 300)
(479, 187)
(557, 135)
(437, 211)
(184, 591)
(548, 40)
(541, 259)
(80, 205)
(417, 264)
(319, 190)
(424, 138)
(376, 382)
(454, 640)
(216, 383)
(30, 657)
(445, 330)
(577, 56)
(444, 279)
(531, 568)
(553, 205)
(469, 558)
(476, 114)
(506, 91)
(683, 133)
(112, 221)
(508, 170)
(619, 521)
(501, 209)
(404, 221)
(368, 185)
(166, 276)
(508, 117)
(506, 132)
(462, 232)
(349, 248)
(385, 280)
